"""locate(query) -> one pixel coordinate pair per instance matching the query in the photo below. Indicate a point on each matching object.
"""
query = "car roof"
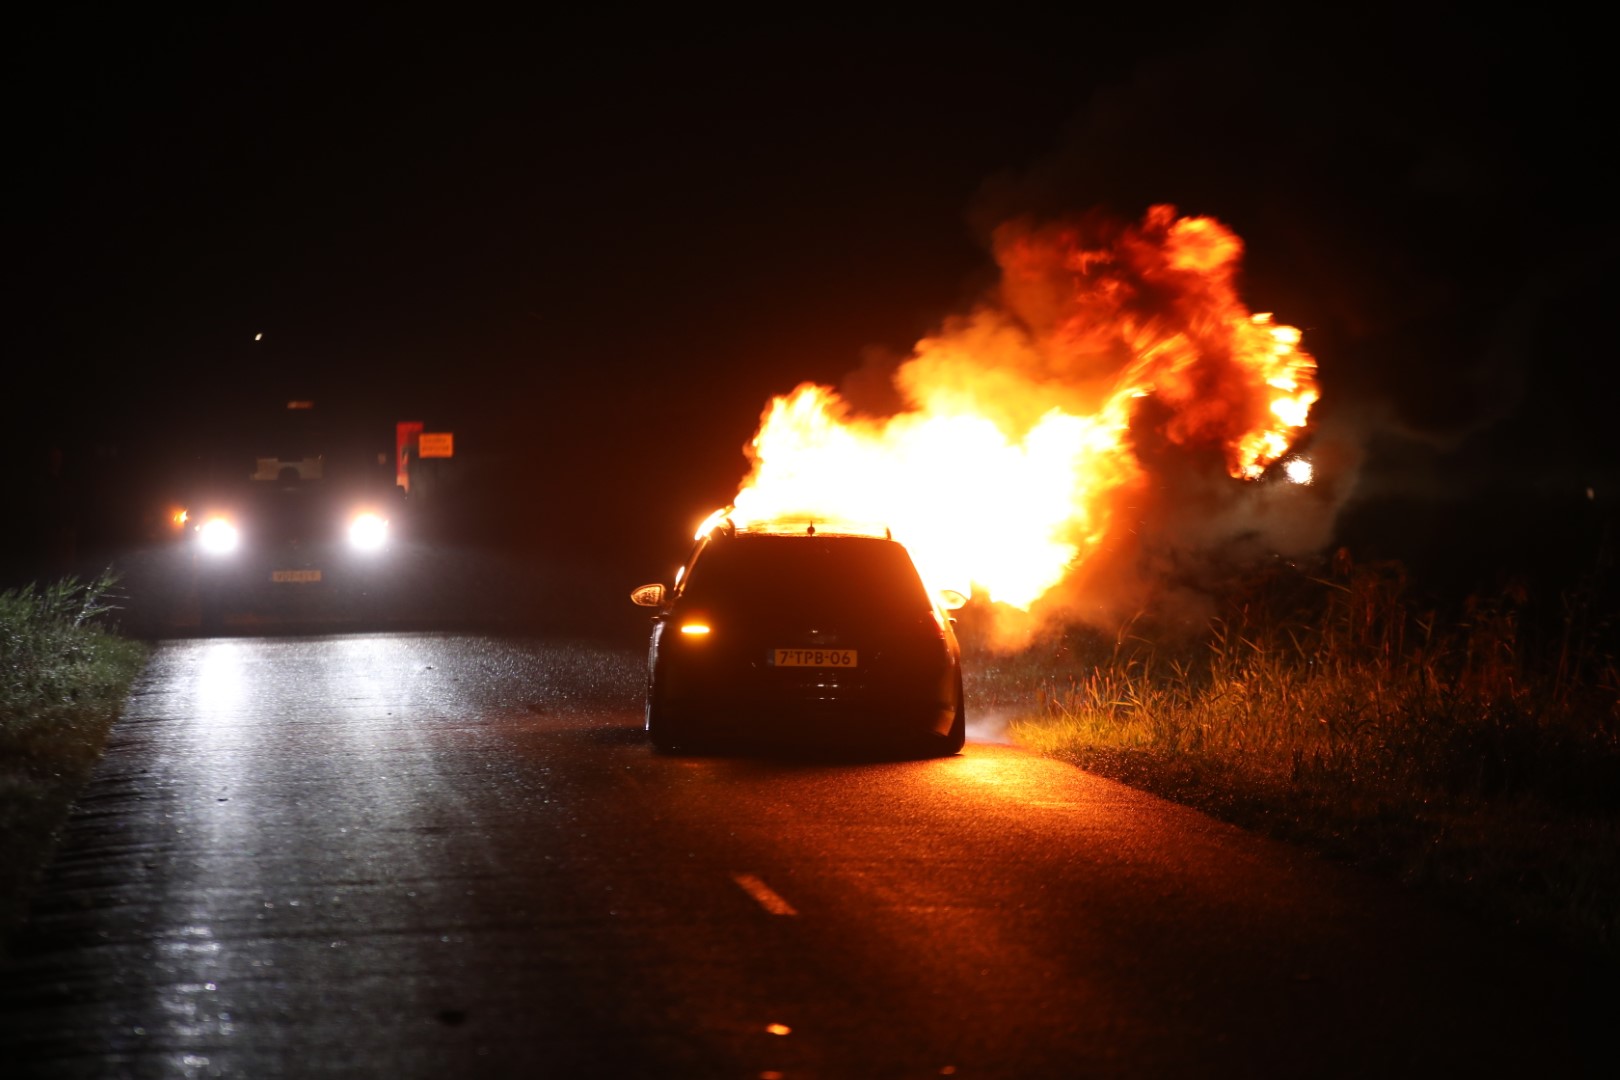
(745, 564)
(722, 524)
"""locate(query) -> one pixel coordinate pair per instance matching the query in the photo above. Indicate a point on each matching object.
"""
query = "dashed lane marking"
(763, 894)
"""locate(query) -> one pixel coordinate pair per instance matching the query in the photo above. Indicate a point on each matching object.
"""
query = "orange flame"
(1030, 423)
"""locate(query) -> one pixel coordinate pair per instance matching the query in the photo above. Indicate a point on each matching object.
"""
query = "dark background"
(595, 249)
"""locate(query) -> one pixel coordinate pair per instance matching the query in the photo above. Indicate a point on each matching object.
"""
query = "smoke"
(1419, 202)
(1408, 232)
(1186, 531)
(1441, 257)
(1136, 404)
(1092, 304)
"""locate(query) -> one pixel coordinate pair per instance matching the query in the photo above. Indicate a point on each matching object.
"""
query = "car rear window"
(864, 572)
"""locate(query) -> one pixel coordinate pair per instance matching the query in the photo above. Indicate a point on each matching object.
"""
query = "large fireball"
(1030, 424)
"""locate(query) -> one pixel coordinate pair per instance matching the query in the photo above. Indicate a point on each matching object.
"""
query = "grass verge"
(1474, 755)
(63, 678)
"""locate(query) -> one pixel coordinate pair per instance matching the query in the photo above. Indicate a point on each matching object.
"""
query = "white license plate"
(814, 657)
(295, 575)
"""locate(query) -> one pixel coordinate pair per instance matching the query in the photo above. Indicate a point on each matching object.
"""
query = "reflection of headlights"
(368, 532)
(218, 536)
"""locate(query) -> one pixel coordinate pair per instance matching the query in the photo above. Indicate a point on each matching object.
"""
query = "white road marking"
(762, 893)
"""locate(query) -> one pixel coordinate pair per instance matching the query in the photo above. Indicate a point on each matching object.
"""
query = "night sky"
(595, 249)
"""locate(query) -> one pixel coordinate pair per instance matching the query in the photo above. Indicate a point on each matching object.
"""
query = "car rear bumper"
(798, 717)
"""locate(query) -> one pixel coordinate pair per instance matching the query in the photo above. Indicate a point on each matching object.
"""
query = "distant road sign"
(436, 444)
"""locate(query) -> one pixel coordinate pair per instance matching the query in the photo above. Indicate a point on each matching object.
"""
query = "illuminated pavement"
(422, 855)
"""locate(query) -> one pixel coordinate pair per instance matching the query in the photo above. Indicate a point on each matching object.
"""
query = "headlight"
(368, 532)
(218, 536)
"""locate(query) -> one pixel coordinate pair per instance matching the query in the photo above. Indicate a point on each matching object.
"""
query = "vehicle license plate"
(295, 575)
(813, 657)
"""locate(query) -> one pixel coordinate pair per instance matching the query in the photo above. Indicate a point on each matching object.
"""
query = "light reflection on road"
(413, 855)
(219, 682)
(192, 957)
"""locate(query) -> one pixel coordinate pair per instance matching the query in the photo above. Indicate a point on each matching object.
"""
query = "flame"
(1032, 424)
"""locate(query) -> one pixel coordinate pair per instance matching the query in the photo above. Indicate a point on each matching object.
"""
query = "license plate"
(813, 657)
(295, 575)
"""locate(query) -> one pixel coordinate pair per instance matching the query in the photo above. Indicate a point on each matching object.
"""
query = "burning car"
(801, 633)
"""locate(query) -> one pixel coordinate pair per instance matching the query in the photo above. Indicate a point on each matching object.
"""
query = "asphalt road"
(428, 855)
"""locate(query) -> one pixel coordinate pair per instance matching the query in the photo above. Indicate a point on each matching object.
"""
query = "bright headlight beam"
(218, 536)
(368, 532)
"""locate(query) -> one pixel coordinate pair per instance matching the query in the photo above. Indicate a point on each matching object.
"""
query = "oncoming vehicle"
(801, 633)
(299, 535)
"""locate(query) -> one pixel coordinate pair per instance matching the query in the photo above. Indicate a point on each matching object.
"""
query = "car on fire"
(804, 633)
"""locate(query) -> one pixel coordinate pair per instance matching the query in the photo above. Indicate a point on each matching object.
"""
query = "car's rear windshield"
(843, 570)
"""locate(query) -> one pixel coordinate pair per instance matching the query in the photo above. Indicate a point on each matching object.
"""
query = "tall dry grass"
(1476, 750)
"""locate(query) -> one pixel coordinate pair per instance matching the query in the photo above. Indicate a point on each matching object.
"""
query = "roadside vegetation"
(63, 677)
(1476, 753)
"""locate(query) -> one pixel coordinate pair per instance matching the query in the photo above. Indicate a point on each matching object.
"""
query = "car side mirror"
(648, 596)
(951, 600)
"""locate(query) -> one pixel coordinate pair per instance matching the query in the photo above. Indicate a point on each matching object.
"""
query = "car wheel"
(662, 729)
(952, 741)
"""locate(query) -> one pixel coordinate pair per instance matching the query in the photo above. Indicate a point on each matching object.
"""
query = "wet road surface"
(423, 855)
